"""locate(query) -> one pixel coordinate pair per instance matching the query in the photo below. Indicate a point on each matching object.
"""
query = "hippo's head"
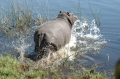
(70, 17)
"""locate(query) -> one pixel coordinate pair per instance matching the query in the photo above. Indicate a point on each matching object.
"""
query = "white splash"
(85, 38)
(21, 45)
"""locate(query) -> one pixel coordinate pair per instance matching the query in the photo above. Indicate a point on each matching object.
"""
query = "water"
(109, 26)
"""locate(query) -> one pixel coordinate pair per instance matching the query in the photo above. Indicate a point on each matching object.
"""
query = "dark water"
(109, 13)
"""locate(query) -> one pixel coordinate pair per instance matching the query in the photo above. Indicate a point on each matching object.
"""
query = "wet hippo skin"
(53, 35)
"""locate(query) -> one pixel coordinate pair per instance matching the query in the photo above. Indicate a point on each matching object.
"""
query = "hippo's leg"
(43, 50)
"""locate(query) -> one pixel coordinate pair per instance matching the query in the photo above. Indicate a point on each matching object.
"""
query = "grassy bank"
(10, 68)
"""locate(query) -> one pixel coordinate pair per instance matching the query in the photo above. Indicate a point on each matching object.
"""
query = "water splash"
(85, 38)
(22, 45)
(88, 37)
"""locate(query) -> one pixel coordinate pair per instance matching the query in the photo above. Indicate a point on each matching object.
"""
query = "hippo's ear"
(60, 11)
(68, 13)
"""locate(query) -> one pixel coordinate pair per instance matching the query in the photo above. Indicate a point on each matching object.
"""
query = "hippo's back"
(57, 32)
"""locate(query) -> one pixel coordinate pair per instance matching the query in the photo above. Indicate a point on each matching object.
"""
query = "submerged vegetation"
(20, 19)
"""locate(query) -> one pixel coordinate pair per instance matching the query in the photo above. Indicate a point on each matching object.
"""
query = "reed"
(19, 18)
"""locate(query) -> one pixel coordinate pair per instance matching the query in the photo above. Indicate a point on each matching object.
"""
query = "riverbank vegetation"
(21, 19)
(10, 68)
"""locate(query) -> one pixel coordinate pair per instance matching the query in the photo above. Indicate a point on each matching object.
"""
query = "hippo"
(54, 34)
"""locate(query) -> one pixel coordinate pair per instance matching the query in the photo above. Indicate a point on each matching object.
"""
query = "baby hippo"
(53, 35)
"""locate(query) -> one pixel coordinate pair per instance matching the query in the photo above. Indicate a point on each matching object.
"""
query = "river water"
(108, 12)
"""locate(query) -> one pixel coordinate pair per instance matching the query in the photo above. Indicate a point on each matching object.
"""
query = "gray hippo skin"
(53, 35)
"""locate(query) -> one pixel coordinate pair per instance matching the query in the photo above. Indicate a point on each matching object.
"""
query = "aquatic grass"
(19, 18)
(44, 10)
(96, 17)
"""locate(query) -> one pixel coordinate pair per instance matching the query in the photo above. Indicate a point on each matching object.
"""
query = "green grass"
(10, 68)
